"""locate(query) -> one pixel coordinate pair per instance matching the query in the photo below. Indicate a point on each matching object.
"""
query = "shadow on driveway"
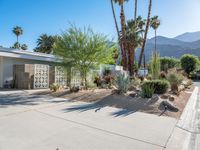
(127, 105)
(25, 99)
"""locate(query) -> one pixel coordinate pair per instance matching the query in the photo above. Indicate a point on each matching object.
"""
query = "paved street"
(44, 123)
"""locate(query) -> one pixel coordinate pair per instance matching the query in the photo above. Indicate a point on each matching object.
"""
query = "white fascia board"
(31, 57)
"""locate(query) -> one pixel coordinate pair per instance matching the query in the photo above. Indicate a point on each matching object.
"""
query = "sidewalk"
(186, 134)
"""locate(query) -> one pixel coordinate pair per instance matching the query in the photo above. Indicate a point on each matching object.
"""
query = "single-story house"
(31, 70)
(28, 69)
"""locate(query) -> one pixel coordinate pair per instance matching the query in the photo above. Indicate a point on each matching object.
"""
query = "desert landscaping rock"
(165, 96)
(169, 106)
(171, 98)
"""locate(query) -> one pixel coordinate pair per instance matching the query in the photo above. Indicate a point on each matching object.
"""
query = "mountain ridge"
(172, 47)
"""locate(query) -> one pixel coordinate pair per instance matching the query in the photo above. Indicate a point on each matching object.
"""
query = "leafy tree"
(155, 23)
(83, 49)
(145, 33)
(17, 31)
(45, 44)
(24, 47)
(189, 63)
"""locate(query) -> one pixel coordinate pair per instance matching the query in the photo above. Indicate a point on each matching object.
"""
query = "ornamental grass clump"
(147, 90)
(155, 66)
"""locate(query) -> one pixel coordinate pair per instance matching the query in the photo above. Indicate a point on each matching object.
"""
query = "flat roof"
(26, 54)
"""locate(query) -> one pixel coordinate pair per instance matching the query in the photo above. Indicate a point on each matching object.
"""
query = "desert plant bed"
(129, 101)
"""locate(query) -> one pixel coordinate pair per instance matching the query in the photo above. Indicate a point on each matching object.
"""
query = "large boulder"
(169, 106)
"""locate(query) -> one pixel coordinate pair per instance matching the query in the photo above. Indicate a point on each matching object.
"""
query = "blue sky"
(52, 16)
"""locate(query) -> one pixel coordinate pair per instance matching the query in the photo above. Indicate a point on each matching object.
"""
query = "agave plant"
(122, 82)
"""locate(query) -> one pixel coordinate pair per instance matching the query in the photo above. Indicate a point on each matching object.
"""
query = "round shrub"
(189, 63)
(159, 86)
(168, 63)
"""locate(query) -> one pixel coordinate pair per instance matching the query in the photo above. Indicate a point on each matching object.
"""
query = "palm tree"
(45, 44)
(17, 31)
(134, 40)
(145, 34)
(24, 47)
(155, 23)
(122, 39)
(16, 45)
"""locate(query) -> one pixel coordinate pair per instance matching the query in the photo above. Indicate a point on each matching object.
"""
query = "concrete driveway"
(33, 122)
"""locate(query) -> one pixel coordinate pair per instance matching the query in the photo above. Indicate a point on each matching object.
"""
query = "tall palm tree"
(123, 26)
(45, 44)
(155, 23)
(17, 31)
(145, 34)
(134, 40)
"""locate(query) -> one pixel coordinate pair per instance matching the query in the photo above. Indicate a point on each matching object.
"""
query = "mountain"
(171, 47)
(161, 40)
(189, 36)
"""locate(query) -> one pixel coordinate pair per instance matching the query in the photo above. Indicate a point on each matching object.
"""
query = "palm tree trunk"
(145, 34)
(124, 56)
(132, 60)
(155, 40)
(135, 14)
(117, 28)
(17, 38)
(114, 16)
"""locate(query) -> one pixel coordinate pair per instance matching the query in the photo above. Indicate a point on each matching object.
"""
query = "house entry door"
(41, 76)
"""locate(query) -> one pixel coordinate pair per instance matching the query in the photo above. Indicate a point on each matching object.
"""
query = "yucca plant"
(122, 83)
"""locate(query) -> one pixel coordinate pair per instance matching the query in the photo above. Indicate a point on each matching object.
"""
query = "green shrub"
(54, 87)
(189, 63)
(155, 66)
(147, 91)
(168, 63)
(160, 86)
(122, 83)
(175, 80)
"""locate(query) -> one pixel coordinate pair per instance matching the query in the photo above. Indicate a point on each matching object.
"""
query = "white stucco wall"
(6, 67)
(1, 72)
